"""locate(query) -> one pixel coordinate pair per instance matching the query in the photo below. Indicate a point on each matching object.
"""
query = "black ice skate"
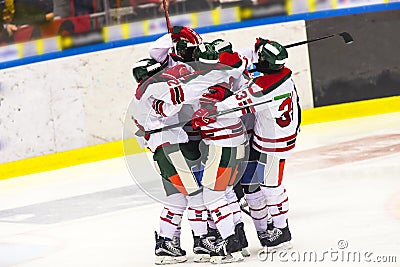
(277, 239)
(167, 252)
(213, 232)
(239, 232)
(176, 241)
(226, 251)
(263, 235)
(203, 247)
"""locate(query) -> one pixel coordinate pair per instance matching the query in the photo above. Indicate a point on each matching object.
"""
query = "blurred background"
(73, 23)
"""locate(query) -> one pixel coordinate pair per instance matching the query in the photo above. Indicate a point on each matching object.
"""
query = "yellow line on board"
(216, 16)
(130, 146)
(105, 33)
(40, 46)
(146, 27)
(68, 158)
(58, 43)
(334, 4)
(194, 19)
(351, 110)
(125, 30)
(312, 5)
(237, 14)
(20, 49)
(289, 6)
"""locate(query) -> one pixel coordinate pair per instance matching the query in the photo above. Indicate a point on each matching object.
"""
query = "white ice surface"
(343, 183)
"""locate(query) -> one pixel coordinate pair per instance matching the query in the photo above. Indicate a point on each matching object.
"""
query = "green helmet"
(185, 50)
(206, 53)
(145, 68)
(222, 46)
(271, 56)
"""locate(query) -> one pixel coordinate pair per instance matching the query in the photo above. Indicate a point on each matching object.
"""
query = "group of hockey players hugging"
(240, 129)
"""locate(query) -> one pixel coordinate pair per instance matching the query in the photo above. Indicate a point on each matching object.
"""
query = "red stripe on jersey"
(243, 109)
(230, 127)
(223, 136)
(276, 140)
(252, 109)
(275, 149)
(181, 94)
(173, 95)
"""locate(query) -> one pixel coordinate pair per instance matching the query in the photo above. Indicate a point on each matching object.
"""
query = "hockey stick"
(165, 6)
(166, 13)
(141, 133)
(347, 38)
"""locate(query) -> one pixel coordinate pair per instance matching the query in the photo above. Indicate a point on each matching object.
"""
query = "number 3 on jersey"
(287, 108)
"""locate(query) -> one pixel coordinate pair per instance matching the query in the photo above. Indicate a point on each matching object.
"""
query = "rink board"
(79, 102)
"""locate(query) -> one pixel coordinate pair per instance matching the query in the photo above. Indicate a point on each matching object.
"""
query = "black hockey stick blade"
(348, 39)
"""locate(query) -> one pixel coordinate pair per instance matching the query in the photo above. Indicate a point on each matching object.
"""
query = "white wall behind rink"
(79, 101)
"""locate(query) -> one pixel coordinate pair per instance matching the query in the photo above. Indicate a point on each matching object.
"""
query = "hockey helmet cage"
(271, 56)
(221, 45)
(145, 68)
(206, 53)
(185, 50)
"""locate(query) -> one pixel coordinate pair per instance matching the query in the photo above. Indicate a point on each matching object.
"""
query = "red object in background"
(66, 26)
(23, 34)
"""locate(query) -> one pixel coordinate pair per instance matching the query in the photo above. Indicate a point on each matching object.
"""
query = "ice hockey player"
(276, 127)
(158, 102)
(170, 50)
(225, 140)
(182, 39)
(166, 150)
(228, 57)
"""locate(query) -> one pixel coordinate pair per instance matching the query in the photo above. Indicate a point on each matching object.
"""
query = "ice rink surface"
(343, 183)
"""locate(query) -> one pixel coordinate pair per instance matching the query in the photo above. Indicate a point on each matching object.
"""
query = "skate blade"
(280, 247)
(162, 260)
(201, 258)
(245, 252)
(233, 257)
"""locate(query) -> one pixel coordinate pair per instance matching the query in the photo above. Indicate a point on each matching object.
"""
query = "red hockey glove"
(141, 128)
(201, 117)
(230, 59)
(218, 92)
(259, 42)
(185, 33)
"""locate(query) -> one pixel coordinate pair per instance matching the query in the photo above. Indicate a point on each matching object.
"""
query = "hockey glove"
(201, 117)
(218, 92)
(230, 59)
(185, 33)
(141, 128)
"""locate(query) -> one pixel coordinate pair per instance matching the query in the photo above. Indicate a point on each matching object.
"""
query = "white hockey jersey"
(274, 101)
(160, 98)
